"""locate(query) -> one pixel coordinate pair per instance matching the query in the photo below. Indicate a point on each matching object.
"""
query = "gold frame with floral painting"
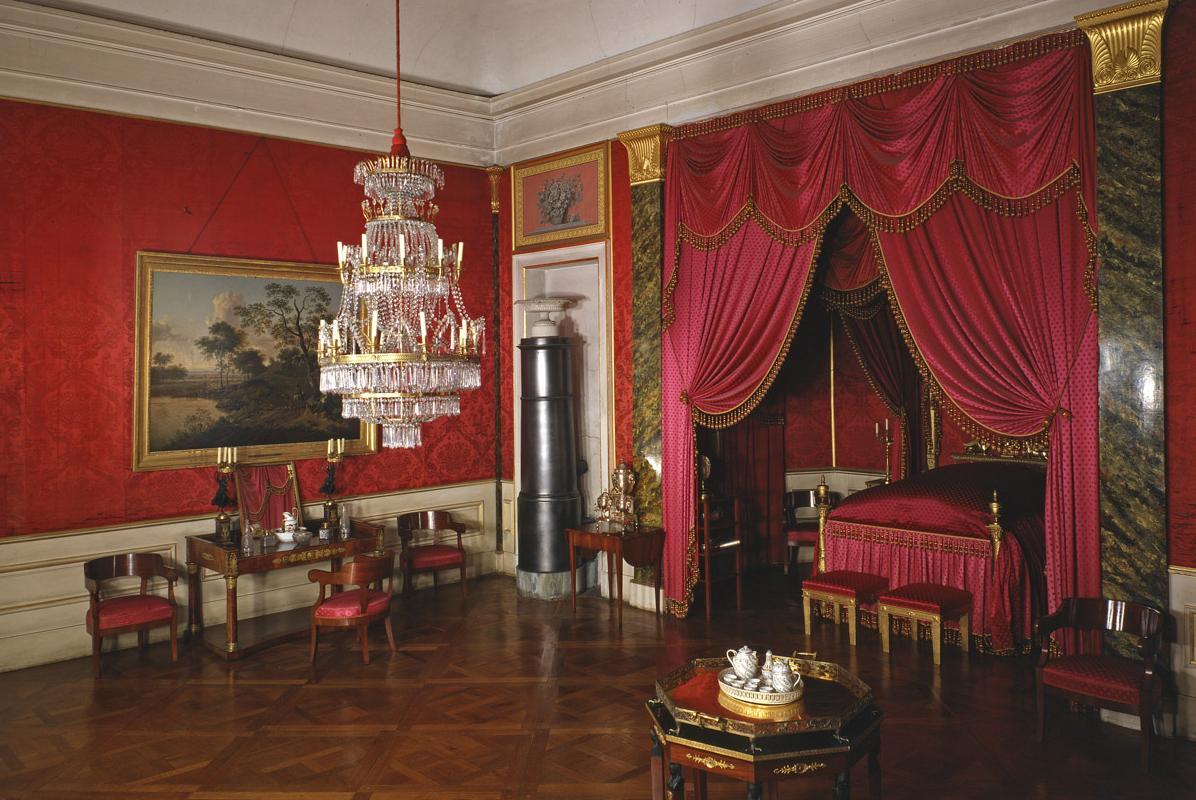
(561, 198)
(263, 395)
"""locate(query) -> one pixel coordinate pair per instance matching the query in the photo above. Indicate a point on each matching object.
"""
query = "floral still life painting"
(560, 198)
(226, 357)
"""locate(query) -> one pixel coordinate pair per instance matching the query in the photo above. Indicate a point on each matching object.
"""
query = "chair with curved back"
(1131, 686)
(357, 608)
(433, 556)
(127, 613)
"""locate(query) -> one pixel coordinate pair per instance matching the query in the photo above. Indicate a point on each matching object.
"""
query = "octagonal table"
(697, 730)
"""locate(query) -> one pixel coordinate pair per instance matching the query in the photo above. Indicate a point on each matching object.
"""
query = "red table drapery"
(975, 178)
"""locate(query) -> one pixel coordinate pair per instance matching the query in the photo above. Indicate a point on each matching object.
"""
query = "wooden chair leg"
(852, 613)
(1041, 700)
(174, 639)
(936, 640)
(390, 634)
(464, 589)
(884, 623)
(96, 642)
(965, 633)
(315, 643)
(407, 588)
(739, 578)
(805, 611)
(142, 638)
(1146, 720)
(365, 643)
(435, 579)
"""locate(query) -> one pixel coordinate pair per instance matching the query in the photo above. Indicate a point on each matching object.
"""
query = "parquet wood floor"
(498, 698)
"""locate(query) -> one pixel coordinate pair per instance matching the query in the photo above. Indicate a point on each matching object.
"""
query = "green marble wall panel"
(1132, 444)
(647, 232)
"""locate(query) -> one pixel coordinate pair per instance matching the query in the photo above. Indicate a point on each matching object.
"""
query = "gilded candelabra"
(886, 436)
(226, 462)
(334, 456)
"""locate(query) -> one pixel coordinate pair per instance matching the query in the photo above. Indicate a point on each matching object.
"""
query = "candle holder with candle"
(335, 455)
(226, 459)
(886, 436)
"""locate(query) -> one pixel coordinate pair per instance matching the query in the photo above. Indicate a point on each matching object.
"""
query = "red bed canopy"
(975, 179)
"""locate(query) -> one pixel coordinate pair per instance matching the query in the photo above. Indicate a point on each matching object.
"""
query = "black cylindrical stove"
(549, 500)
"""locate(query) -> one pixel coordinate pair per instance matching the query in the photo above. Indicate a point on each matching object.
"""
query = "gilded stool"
(843, 588)
(925, 602)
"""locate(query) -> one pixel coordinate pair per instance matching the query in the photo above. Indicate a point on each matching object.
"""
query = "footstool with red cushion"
(925, 602)
(845, 589)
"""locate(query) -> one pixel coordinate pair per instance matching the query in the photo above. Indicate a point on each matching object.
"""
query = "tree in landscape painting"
(263, 382)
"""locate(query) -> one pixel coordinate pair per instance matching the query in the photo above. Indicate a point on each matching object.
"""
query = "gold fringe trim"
(930, 541)
(986, 59)
(858, 302)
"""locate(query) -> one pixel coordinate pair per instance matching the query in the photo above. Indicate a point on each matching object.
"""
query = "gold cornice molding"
(494, 173)
(646, 152)
(1127, 44)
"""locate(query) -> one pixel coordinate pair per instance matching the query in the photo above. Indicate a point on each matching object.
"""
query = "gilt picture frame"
(561, 198)
(224, 356)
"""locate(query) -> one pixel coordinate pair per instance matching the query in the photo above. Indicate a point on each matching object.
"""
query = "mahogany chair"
(357, 608)
(124, 614)
(1131, 686)
(720, 533)
(432, 556)
(801, 523)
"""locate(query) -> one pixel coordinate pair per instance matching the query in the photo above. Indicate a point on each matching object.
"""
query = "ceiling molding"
(71, 59)
(66, 58)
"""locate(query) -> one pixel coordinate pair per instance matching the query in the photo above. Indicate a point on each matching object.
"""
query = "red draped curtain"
(975, 179)
(852, 287)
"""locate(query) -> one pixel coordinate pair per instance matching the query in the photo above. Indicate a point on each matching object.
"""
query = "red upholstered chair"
(124, 614)
(801, 526)
(1131, 686)
(354, 609)
(433, 555)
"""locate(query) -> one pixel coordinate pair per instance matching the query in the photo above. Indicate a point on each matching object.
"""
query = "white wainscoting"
(43, 602)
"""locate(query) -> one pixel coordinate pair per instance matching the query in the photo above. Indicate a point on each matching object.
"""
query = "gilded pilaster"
(1126, 63)
(646, 150)
(494, 173)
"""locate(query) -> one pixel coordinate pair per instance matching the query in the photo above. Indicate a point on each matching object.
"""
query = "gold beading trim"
(647, 150)
(1127, 44)
(986, 59)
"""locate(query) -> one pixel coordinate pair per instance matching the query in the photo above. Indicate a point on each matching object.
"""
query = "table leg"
(335, 565)
(696, 780)
(874, 770)
(657, 569)
(657, 768)
(676, 783)
(573, 571)
(755, 791)
(842, 790)
(619, 578)
(192, 597)
(610, 575)
(230, 613)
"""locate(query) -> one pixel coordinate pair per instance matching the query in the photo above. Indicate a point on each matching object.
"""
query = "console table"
(641, 546)
(207, 552)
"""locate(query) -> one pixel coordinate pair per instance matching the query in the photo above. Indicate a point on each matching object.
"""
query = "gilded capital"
(494, 173)
(646, 152)
(1127, 44)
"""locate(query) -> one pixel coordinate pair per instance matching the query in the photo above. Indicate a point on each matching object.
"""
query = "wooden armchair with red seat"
(1131, 686)
(432, 556)
(358, 608)
(128, 613)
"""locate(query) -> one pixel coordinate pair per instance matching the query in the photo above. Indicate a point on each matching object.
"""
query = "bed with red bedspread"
(934, 528)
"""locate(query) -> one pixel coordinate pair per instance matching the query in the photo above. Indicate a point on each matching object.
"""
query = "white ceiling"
(484, 47)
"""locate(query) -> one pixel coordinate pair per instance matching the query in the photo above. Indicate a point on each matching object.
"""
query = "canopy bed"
(972, 181)
(977, 527)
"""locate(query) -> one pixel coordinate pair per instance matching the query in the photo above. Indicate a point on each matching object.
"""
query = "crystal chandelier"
(402, 348)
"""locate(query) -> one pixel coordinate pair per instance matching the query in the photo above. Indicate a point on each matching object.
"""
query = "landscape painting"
(561, 197)
(226, 357)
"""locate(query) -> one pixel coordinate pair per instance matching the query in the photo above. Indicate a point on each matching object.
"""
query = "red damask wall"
(81, 193)
(1179, 260)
